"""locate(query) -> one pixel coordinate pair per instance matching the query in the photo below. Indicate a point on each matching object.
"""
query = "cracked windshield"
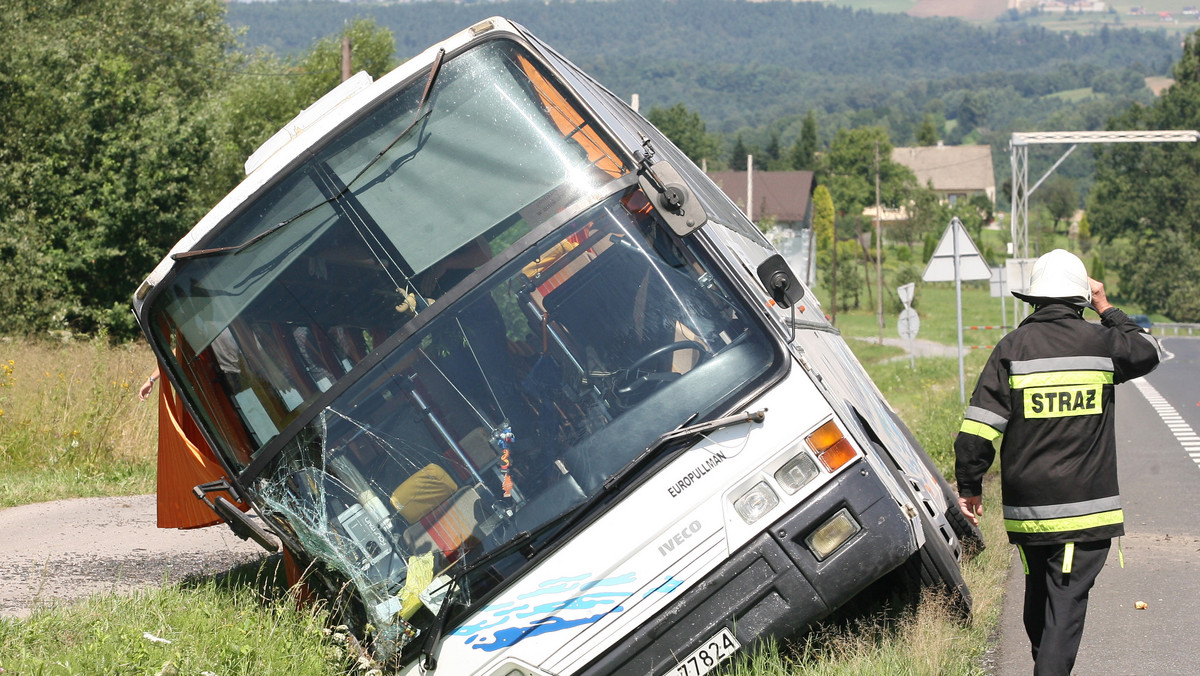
(451, 347)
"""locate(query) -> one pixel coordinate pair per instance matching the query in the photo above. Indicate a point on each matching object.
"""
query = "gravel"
(54, 552)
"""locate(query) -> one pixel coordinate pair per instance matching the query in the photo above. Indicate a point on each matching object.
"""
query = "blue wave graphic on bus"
(586, 601)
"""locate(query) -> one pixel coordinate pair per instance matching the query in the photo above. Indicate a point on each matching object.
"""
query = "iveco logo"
(677, 539)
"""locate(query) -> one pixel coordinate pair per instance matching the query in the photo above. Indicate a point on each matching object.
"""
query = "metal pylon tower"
(1019, 146)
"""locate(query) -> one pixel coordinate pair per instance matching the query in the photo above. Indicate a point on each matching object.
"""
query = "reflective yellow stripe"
(1051, 378)
(979, 429)
(1068, 557)
(1065, 524)
(1064, 401)
(1024, 561)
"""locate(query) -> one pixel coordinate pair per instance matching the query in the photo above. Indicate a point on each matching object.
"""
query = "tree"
(823, 217)
(927, 134)
(804, 150)
(686, 130)
(926, 214)
(125, 121)
(737, 156)
(100, 163)
(849, 276)
(1085, 234)
(1059, 197)
(1098, 272)
(772, 151)
(850, 166)
(252, 107)
(1145, 199)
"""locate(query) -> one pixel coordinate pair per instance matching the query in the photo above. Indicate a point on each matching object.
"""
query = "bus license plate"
(706, 658)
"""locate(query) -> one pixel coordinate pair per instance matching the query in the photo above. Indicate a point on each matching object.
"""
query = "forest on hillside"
(753, 70)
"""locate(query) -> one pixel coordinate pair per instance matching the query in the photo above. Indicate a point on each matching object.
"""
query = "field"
(972, 10)
(981, 11)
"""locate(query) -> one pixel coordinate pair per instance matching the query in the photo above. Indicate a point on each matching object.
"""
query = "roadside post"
(957, 258)
(999, 288)
(909, 322)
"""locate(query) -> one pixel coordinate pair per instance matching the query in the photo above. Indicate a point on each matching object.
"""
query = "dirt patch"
(63, 551)
(973, 10)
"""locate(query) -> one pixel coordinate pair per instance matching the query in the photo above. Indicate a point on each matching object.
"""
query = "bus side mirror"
(779, 280)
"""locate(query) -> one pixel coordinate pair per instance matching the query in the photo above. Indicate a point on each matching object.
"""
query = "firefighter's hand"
(1099, 300)
(972, 508)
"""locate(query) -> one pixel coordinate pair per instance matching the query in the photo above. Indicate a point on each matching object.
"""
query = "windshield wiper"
(434, 633)
(678, 434)
(417, 117)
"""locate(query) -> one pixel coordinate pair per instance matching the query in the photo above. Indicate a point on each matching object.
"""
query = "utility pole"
(833, 293)
(750, 188)
(346, 58)
(878, 246)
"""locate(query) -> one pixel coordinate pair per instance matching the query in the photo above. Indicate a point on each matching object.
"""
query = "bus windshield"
(358, 240)
(515, 404)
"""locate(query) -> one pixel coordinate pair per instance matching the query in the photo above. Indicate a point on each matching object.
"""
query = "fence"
(1166, 329)
(1004, 329)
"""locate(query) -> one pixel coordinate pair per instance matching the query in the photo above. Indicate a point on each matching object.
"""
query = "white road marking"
(1183, 432)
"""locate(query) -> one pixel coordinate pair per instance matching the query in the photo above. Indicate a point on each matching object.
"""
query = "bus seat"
(446, 528)
(417, 495)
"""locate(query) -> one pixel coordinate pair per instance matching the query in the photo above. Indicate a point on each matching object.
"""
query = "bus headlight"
(797, 472)
(832, 534)
(755, 502)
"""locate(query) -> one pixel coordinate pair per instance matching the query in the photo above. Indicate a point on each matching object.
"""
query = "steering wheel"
(634, 382)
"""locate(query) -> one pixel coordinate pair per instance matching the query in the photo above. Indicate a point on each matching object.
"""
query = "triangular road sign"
(970, 263)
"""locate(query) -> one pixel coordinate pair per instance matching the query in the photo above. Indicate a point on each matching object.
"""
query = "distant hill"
(752, 70)
(739, 63)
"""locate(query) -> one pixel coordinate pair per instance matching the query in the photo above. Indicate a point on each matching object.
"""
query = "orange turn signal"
(831, 446)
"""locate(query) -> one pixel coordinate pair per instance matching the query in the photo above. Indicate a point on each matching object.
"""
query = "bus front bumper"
(775, 586)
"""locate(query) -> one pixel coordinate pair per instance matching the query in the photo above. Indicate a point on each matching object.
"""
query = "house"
(1075, 6)
(955, 172)
(782, 196)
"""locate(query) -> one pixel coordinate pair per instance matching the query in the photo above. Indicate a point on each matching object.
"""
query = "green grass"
(242, 623)
(1074, 95)
(22, 487)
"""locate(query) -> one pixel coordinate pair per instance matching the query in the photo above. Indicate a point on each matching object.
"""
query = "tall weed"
(70, 421)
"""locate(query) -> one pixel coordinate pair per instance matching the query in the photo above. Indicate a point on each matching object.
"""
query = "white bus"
(513, 380)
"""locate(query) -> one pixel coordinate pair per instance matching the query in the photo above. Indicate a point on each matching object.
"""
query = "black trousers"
(1058, 579)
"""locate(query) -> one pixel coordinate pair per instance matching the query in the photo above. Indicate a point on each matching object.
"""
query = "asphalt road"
(1159, 456)
(55, 552)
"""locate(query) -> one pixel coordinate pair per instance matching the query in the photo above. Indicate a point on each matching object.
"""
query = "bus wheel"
(938, 570)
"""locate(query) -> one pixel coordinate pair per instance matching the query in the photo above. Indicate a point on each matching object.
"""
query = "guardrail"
(1165, 329)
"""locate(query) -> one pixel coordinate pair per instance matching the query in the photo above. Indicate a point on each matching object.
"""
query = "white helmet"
(1058, 276)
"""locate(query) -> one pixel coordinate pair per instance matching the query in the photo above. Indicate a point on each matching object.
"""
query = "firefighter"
(1048, 388)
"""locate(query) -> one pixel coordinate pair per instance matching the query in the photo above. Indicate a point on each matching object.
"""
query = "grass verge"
(241, 623)
(71, 424)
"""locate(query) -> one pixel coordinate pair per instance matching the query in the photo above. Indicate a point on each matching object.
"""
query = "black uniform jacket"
(1048, 389)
